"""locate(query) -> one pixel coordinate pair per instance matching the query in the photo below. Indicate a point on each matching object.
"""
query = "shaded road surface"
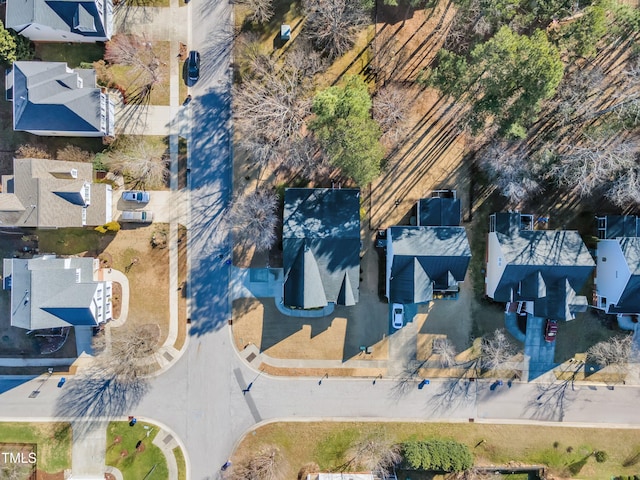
(201, 397)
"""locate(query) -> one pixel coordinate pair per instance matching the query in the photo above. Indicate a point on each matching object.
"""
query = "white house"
(545, 268)
(51, 99)
(79, 21)
(49, 292)
(618, 265)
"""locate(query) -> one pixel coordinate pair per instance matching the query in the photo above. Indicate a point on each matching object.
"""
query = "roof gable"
(48, 97)
(321, 246)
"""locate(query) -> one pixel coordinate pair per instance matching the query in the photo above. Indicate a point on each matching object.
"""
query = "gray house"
(79, 21)
(49, 292)
(52, 99)
(321, 247)
(618, 264)
(53, 193)
(544, 268)
(431, 258)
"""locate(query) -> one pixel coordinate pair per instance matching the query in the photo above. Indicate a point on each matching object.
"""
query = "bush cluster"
(437, 455)
(108, 227)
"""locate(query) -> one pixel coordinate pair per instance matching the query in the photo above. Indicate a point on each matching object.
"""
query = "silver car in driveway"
(137, 216)
(137, 196)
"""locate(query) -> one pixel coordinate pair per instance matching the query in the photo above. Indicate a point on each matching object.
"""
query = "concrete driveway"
(539, 352)
(161, 203)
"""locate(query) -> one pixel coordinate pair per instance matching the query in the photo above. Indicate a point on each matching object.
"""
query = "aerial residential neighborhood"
(320, 239)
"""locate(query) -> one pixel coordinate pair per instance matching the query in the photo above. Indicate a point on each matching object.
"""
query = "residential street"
(201, 399)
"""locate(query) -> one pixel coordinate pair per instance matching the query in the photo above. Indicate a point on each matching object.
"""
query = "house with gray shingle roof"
(545, 268)
(321, 247)
(51, 99)
(424, 260)
(439, 212)
(618, 264)
(49, 292)
(53, 193)
(80, 21)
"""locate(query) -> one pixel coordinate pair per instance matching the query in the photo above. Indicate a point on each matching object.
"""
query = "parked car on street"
(398, 315)
(137, 216)
(551, 330)
(193, 67)
(136, 196)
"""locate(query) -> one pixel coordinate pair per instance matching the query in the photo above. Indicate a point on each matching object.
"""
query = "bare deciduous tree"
(496, 351)
(143, 163)
(261, 10)
(626, 188)
(375, 452)
(253, 219)
(122, 353)
(390, 108)
(71, 153)
(273, 107)
(594, 163)
(446, 352)
(138, 53)
(332, 25)
(614, 351)
(508, 165)
(267, 464)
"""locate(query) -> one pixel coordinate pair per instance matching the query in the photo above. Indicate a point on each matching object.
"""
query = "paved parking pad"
(539, 352)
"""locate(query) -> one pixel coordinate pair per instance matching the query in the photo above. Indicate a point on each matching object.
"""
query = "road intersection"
(203, 399)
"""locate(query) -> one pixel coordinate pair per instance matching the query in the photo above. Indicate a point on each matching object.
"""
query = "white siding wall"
(613, 274)
(55, 133)
(42, 33)
(495, 264)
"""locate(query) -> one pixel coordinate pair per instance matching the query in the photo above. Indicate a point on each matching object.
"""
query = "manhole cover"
(251, 357)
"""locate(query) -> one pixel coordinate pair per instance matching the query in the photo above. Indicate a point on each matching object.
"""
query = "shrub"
(108, 227)
(601, 456)
(438, 455)
(32, 151)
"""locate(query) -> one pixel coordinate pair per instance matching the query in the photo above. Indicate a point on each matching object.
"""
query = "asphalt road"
(201, 397)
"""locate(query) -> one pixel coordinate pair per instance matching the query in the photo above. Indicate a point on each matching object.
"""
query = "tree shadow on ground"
(94, 395)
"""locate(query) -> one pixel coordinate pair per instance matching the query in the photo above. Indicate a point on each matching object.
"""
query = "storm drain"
(167, 439)
(168, 356)
(251, 357)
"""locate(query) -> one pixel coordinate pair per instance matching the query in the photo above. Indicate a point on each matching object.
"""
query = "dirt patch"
(40, 475)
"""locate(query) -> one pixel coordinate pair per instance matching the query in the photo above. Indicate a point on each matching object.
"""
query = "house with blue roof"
(617, 283)
(321, 247)
(79, 21)
(49, 292)
(546, 269)
(51, 99)
(429, 259)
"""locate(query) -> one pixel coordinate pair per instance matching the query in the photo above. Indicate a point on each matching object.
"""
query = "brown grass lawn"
(182, 294)
(148, 278)
(326, 443)
(160, 94)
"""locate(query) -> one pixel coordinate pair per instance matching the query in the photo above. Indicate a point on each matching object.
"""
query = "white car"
(398, 315)
(139, 216)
